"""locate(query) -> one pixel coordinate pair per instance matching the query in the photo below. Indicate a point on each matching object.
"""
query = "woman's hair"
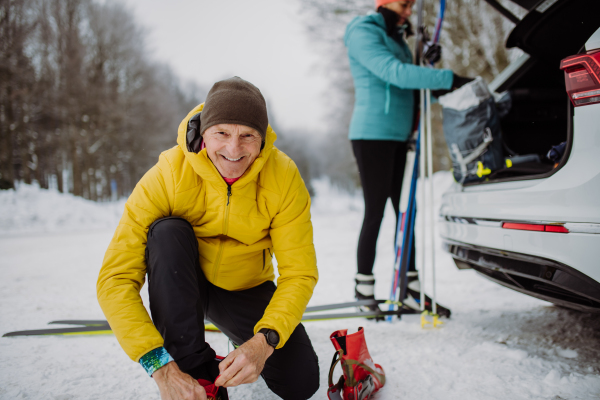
(391, 19)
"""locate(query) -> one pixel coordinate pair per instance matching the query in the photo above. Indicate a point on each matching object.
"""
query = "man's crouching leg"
(178, 293)
(292, 372)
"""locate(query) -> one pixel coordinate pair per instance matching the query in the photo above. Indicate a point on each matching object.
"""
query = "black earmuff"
(193, 137)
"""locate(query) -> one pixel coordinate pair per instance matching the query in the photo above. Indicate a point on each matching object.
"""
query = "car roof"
(554, 29)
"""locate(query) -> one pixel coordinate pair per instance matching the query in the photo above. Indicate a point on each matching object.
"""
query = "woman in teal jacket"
(384, 81)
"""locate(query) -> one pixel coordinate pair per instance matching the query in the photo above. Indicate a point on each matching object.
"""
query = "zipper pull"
(228, 193)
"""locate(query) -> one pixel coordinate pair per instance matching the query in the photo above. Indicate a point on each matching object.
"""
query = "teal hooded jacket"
(384, 80)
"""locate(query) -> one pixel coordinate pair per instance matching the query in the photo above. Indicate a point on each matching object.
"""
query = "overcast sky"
(262, 41)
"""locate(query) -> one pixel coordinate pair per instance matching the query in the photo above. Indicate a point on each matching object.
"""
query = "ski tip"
(83, 322)
(89, 327)
(61, 332)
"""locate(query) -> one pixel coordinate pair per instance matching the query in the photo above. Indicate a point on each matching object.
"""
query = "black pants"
(181, 298)
(381, 168)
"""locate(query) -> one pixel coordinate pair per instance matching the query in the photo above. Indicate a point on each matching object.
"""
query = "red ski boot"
(361, 376)
(214, 392)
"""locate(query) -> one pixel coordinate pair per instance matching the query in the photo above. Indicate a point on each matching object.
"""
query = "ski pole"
(430, 201)
(397, 251)
(410, 222)
(422, 173)
(403, 252)
(431, 204)
(439, 21)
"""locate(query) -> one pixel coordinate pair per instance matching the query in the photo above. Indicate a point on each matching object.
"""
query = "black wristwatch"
(271, 336)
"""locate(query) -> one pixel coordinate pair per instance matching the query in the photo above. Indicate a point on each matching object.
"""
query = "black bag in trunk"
(472, 130)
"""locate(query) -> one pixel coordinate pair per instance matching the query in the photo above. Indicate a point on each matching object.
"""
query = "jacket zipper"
(388, 99)
(225, 229)
(225, 222)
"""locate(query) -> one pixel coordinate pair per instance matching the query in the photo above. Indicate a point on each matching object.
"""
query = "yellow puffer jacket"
(268, 213)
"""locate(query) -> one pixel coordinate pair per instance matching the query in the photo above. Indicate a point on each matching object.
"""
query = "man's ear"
(193, 137)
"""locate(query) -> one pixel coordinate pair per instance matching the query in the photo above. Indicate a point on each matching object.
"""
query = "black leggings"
(181, 298)
(381, 168)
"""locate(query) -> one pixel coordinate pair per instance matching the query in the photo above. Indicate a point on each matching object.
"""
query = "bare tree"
(82, 106)
(16, 80)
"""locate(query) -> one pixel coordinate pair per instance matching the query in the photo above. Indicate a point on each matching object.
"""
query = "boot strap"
(337, 356)
(380, 377)
(346, 366)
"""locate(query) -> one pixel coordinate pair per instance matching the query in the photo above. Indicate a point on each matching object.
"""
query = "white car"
(537, 229)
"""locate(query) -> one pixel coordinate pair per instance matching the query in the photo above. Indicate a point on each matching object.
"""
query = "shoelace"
(212, 391)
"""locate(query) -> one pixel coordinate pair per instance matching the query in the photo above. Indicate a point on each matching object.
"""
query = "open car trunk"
(541, 113)
(540, 118)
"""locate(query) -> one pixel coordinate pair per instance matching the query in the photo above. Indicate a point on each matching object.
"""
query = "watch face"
(273, 338)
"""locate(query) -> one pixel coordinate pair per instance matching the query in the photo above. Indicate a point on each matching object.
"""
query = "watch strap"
(268, 336)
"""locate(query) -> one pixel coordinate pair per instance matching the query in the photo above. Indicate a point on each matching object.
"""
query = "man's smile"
(232, 159)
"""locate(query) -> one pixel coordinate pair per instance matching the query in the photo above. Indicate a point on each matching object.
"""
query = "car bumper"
(576, 249)
(559, 267)
(536, 276)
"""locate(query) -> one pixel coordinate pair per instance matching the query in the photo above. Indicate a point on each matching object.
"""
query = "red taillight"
(556, 228)
(582, 78)
(523, 227)
(535, 227)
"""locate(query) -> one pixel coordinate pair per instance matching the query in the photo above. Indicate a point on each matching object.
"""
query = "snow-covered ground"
(499, 344)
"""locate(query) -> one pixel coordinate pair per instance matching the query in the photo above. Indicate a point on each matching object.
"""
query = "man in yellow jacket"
(203, 224)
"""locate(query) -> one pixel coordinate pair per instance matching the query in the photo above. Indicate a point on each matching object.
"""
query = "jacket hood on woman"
(238, 227)
(384, 80)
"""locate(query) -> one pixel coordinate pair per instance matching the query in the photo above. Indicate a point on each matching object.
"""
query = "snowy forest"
(84, 108)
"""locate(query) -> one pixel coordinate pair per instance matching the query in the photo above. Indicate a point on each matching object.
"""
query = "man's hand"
(176, 385)
(244, 364)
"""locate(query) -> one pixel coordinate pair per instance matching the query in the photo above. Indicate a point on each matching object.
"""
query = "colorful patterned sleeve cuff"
(154, 359)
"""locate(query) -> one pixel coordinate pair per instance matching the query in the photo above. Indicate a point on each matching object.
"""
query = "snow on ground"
(499, 344)
(30, 209)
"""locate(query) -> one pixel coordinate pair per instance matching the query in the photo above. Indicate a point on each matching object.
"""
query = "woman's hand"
(176, 385)
(460, 81)
(432, 52)
(244, 364)
(457, 82)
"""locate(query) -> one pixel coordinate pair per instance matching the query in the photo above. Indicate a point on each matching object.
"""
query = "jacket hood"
(375, 20)
(204, 167)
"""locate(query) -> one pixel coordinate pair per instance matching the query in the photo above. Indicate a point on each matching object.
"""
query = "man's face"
(402, 8)
(232, 148)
